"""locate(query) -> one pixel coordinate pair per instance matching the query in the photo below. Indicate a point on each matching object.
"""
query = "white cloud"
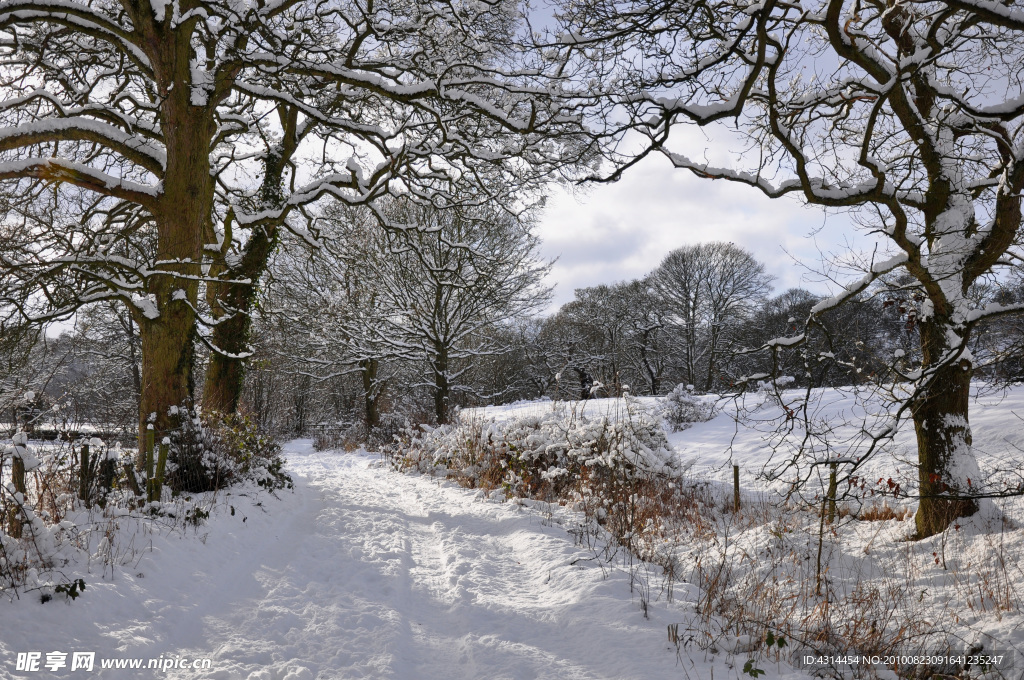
(621, 231)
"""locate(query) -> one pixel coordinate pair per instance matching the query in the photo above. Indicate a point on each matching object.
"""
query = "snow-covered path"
(406, 579)
(361, 573)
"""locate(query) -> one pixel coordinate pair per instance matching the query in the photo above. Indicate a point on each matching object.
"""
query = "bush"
(52, 500)
(680, 409)
(527, 455)
(61, 509)
(213, 451)
(621, 472)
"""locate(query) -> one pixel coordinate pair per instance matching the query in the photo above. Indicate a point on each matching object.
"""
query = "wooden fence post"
(18, 479)
(133, 483)
(107, 470)
(83, 478)
(736, 488)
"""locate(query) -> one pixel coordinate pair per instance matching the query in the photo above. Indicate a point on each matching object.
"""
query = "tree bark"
(232, 300)
(370, 392)
(167, 321)
(232, 303)
(442, 386)
(946, 465)
(167, 352)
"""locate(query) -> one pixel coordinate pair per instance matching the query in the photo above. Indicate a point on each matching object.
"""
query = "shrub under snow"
(212, 452)
(621, 472)
(680, 408)
(61, 508)
(524, 455)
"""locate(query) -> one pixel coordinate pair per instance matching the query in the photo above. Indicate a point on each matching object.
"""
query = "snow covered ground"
(361, 572)
(744, 431)
(963, 587)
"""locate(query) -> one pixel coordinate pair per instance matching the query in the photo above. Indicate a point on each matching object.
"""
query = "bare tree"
(600, 318)
(649, 350)
(710, 289)
(907, 114)
(538, 342)
(404, 285)
(449, 278)
(614, 335)
(569, 349)
(102, 384)
(327, 303)
(16, 345)
(1001, 340)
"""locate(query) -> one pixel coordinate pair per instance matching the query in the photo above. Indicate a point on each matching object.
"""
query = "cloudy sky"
(618, 232)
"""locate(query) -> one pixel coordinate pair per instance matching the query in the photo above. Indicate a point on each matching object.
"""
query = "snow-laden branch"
(49, 131)
(84, 176)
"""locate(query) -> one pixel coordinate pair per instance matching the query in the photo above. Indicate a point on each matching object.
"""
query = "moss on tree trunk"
(232, 301)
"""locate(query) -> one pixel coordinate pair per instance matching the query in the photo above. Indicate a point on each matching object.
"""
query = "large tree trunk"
(947, 468)
(232, 300)
(222, 386)
(167, 339)
(167, 351)
(167, 325)
(167, 320)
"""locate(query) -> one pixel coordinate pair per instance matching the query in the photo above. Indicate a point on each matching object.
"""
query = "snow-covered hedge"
(49, 510)
(537, 453)
(618, 470)
(61, 510)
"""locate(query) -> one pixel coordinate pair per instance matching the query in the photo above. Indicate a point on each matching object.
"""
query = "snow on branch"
(60, 170)
(131, 147)
(710, 172)
(856, 287)
(1001, 14)
(76, 16)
